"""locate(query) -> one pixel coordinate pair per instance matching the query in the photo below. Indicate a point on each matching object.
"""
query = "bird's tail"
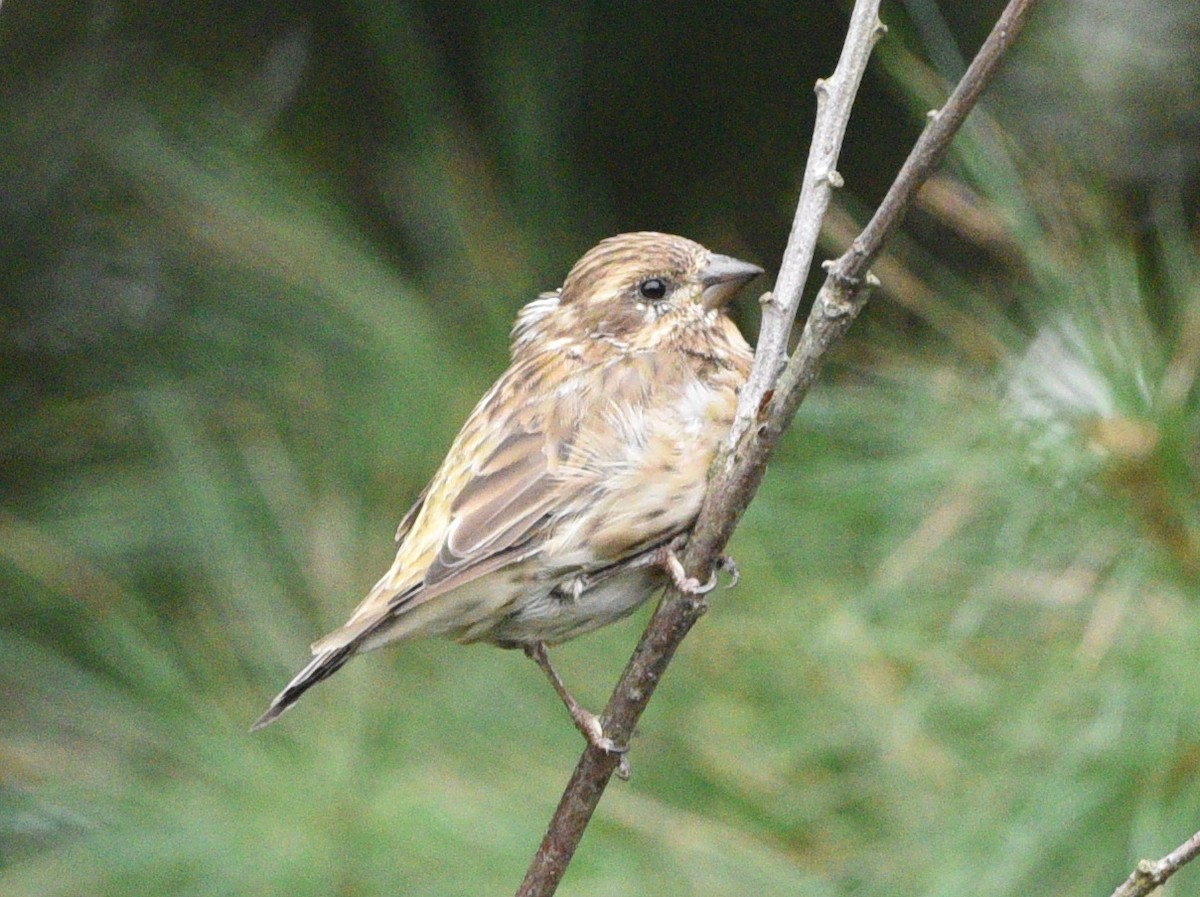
(320, 667)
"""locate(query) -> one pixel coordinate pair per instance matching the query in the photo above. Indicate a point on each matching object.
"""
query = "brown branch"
(771, 399)
(1150, 874)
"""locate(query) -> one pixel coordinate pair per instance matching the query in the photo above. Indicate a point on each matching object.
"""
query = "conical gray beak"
(722, 277)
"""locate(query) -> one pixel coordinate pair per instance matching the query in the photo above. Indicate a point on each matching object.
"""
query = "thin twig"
(835, 98)
(770, 401)
(1151, 874)
(844, 292)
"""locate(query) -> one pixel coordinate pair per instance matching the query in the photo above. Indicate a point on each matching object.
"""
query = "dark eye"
(653, 288)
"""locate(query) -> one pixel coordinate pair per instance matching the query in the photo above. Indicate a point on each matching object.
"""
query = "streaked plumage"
(588, 454)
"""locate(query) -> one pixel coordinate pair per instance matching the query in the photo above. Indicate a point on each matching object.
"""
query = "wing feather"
(406, 522)
(494, 520)
(510, 493)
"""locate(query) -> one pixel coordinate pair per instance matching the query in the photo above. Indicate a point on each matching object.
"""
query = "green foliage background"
(258, 262)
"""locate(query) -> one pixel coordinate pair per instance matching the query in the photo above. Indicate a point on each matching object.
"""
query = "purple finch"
(558, 507)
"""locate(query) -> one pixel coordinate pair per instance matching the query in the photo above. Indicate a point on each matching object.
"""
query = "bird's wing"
(493, 520)
(499, 507)
(407, 521)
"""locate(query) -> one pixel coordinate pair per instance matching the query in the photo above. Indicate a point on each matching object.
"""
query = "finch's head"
(636, 287)
(631, 279)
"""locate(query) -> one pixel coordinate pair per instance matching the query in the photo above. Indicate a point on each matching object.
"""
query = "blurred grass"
(962, 657)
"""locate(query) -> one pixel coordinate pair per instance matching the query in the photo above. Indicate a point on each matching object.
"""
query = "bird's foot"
(585, 721)
(589, 725)
(688, 585)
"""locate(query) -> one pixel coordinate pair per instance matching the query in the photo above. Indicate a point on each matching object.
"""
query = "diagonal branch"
(1151, 874)
(771, 398)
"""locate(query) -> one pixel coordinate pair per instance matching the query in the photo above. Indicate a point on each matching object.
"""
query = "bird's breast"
(652, 462)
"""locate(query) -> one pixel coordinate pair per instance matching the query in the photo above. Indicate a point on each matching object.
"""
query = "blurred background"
(257, 262)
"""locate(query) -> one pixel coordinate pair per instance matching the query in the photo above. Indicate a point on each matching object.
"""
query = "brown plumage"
(555, 508)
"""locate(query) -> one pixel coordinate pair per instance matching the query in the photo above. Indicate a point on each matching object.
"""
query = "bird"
(563, 500)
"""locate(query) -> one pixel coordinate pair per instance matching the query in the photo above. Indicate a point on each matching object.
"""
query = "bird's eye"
(653, 288)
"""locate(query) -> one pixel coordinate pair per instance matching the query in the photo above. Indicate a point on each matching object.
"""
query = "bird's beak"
(722, 277)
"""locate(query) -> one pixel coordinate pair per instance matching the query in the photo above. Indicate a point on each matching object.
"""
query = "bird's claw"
(689, 585)
(729, 565)
(589, 724)
(623, 770)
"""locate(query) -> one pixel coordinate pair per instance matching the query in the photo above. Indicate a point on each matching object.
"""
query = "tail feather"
(320, 667)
